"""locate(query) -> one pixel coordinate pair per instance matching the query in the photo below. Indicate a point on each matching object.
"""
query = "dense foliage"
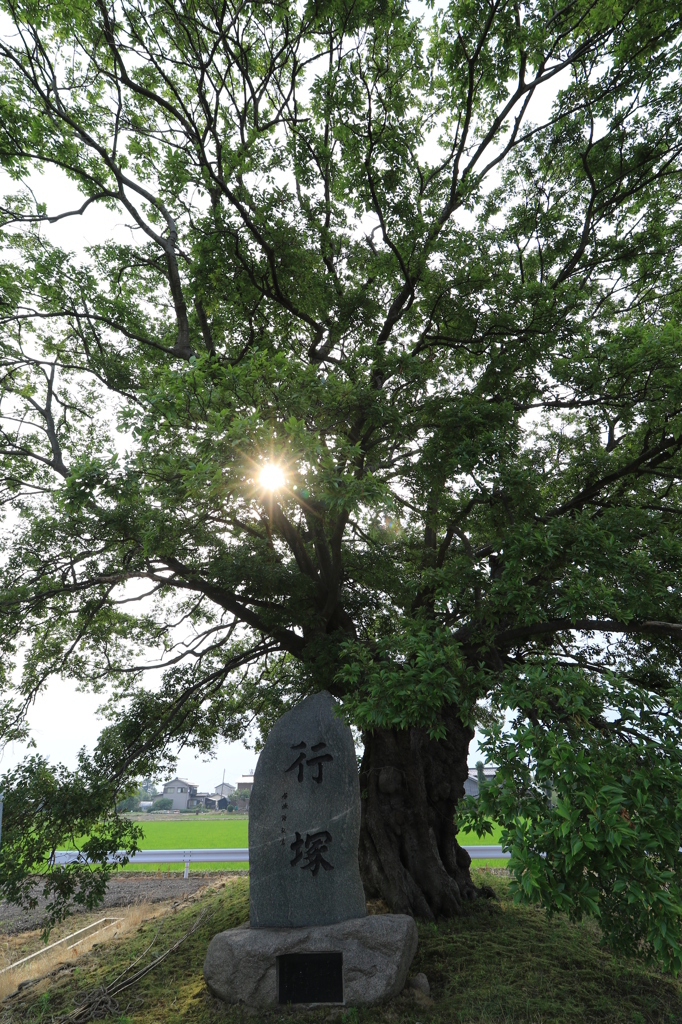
(425, 261)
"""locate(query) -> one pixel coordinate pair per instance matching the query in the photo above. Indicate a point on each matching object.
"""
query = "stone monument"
(304, 822)
(310, 939)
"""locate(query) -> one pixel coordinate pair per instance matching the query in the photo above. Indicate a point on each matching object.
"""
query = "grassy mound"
(499, 964)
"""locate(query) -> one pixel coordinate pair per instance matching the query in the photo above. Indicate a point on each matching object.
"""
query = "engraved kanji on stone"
(300, 761)
(311, 849)
(319, 760)
(315, 846)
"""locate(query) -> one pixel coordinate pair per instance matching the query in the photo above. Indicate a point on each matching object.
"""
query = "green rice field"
(194, 834)
(185, 833)
(471, 839)
(189, 833)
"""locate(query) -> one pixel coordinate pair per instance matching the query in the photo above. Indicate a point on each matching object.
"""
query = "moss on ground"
(499, 964)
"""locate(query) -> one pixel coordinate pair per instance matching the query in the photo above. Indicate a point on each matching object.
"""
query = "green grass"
(471, 839)
(494, 839)
(191, 833)
(498, 964)
(194, 834)
(197, 833)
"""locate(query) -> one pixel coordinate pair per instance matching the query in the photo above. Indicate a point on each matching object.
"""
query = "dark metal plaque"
(310, 977)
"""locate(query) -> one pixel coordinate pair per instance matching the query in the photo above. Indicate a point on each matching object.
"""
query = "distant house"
(180, 791)
(186, 796)
(245, 782)
(225, 789)
(472, 785)
(207, 800)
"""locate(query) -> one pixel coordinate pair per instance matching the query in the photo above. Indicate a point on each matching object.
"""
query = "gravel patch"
(123, 890)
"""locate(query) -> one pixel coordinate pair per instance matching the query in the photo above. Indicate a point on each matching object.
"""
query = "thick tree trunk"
(409, 854)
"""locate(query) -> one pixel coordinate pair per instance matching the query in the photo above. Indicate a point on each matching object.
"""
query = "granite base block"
(241, 964)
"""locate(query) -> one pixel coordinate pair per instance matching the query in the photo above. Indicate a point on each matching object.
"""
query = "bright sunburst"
(271, 476)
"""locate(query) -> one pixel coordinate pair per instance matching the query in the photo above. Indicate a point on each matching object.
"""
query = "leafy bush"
(164, 803)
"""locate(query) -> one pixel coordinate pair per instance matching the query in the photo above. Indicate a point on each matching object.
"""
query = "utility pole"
(2, 797)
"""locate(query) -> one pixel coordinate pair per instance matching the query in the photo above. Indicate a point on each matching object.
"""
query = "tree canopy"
(425, 261)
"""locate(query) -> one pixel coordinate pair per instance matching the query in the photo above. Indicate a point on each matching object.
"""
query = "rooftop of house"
(489, 772)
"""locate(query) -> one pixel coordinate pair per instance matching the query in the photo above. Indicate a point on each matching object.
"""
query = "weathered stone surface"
(304, 822)
(421, 983)
(241, 964)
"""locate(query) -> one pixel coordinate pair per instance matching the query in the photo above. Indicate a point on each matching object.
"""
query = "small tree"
(131, 803)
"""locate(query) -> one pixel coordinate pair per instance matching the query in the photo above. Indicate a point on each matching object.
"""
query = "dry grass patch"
(121, 922)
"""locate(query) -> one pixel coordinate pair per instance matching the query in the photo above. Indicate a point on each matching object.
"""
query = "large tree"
(424, 265)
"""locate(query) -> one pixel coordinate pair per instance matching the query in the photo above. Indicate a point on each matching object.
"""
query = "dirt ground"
(123, 890)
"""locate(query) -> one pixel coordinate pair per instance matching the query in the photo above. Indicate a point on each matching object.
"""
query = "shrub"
(163, 804)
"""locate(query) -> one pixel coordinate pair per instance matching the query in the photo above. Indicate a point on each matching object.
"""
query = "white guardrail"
(217, 856)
